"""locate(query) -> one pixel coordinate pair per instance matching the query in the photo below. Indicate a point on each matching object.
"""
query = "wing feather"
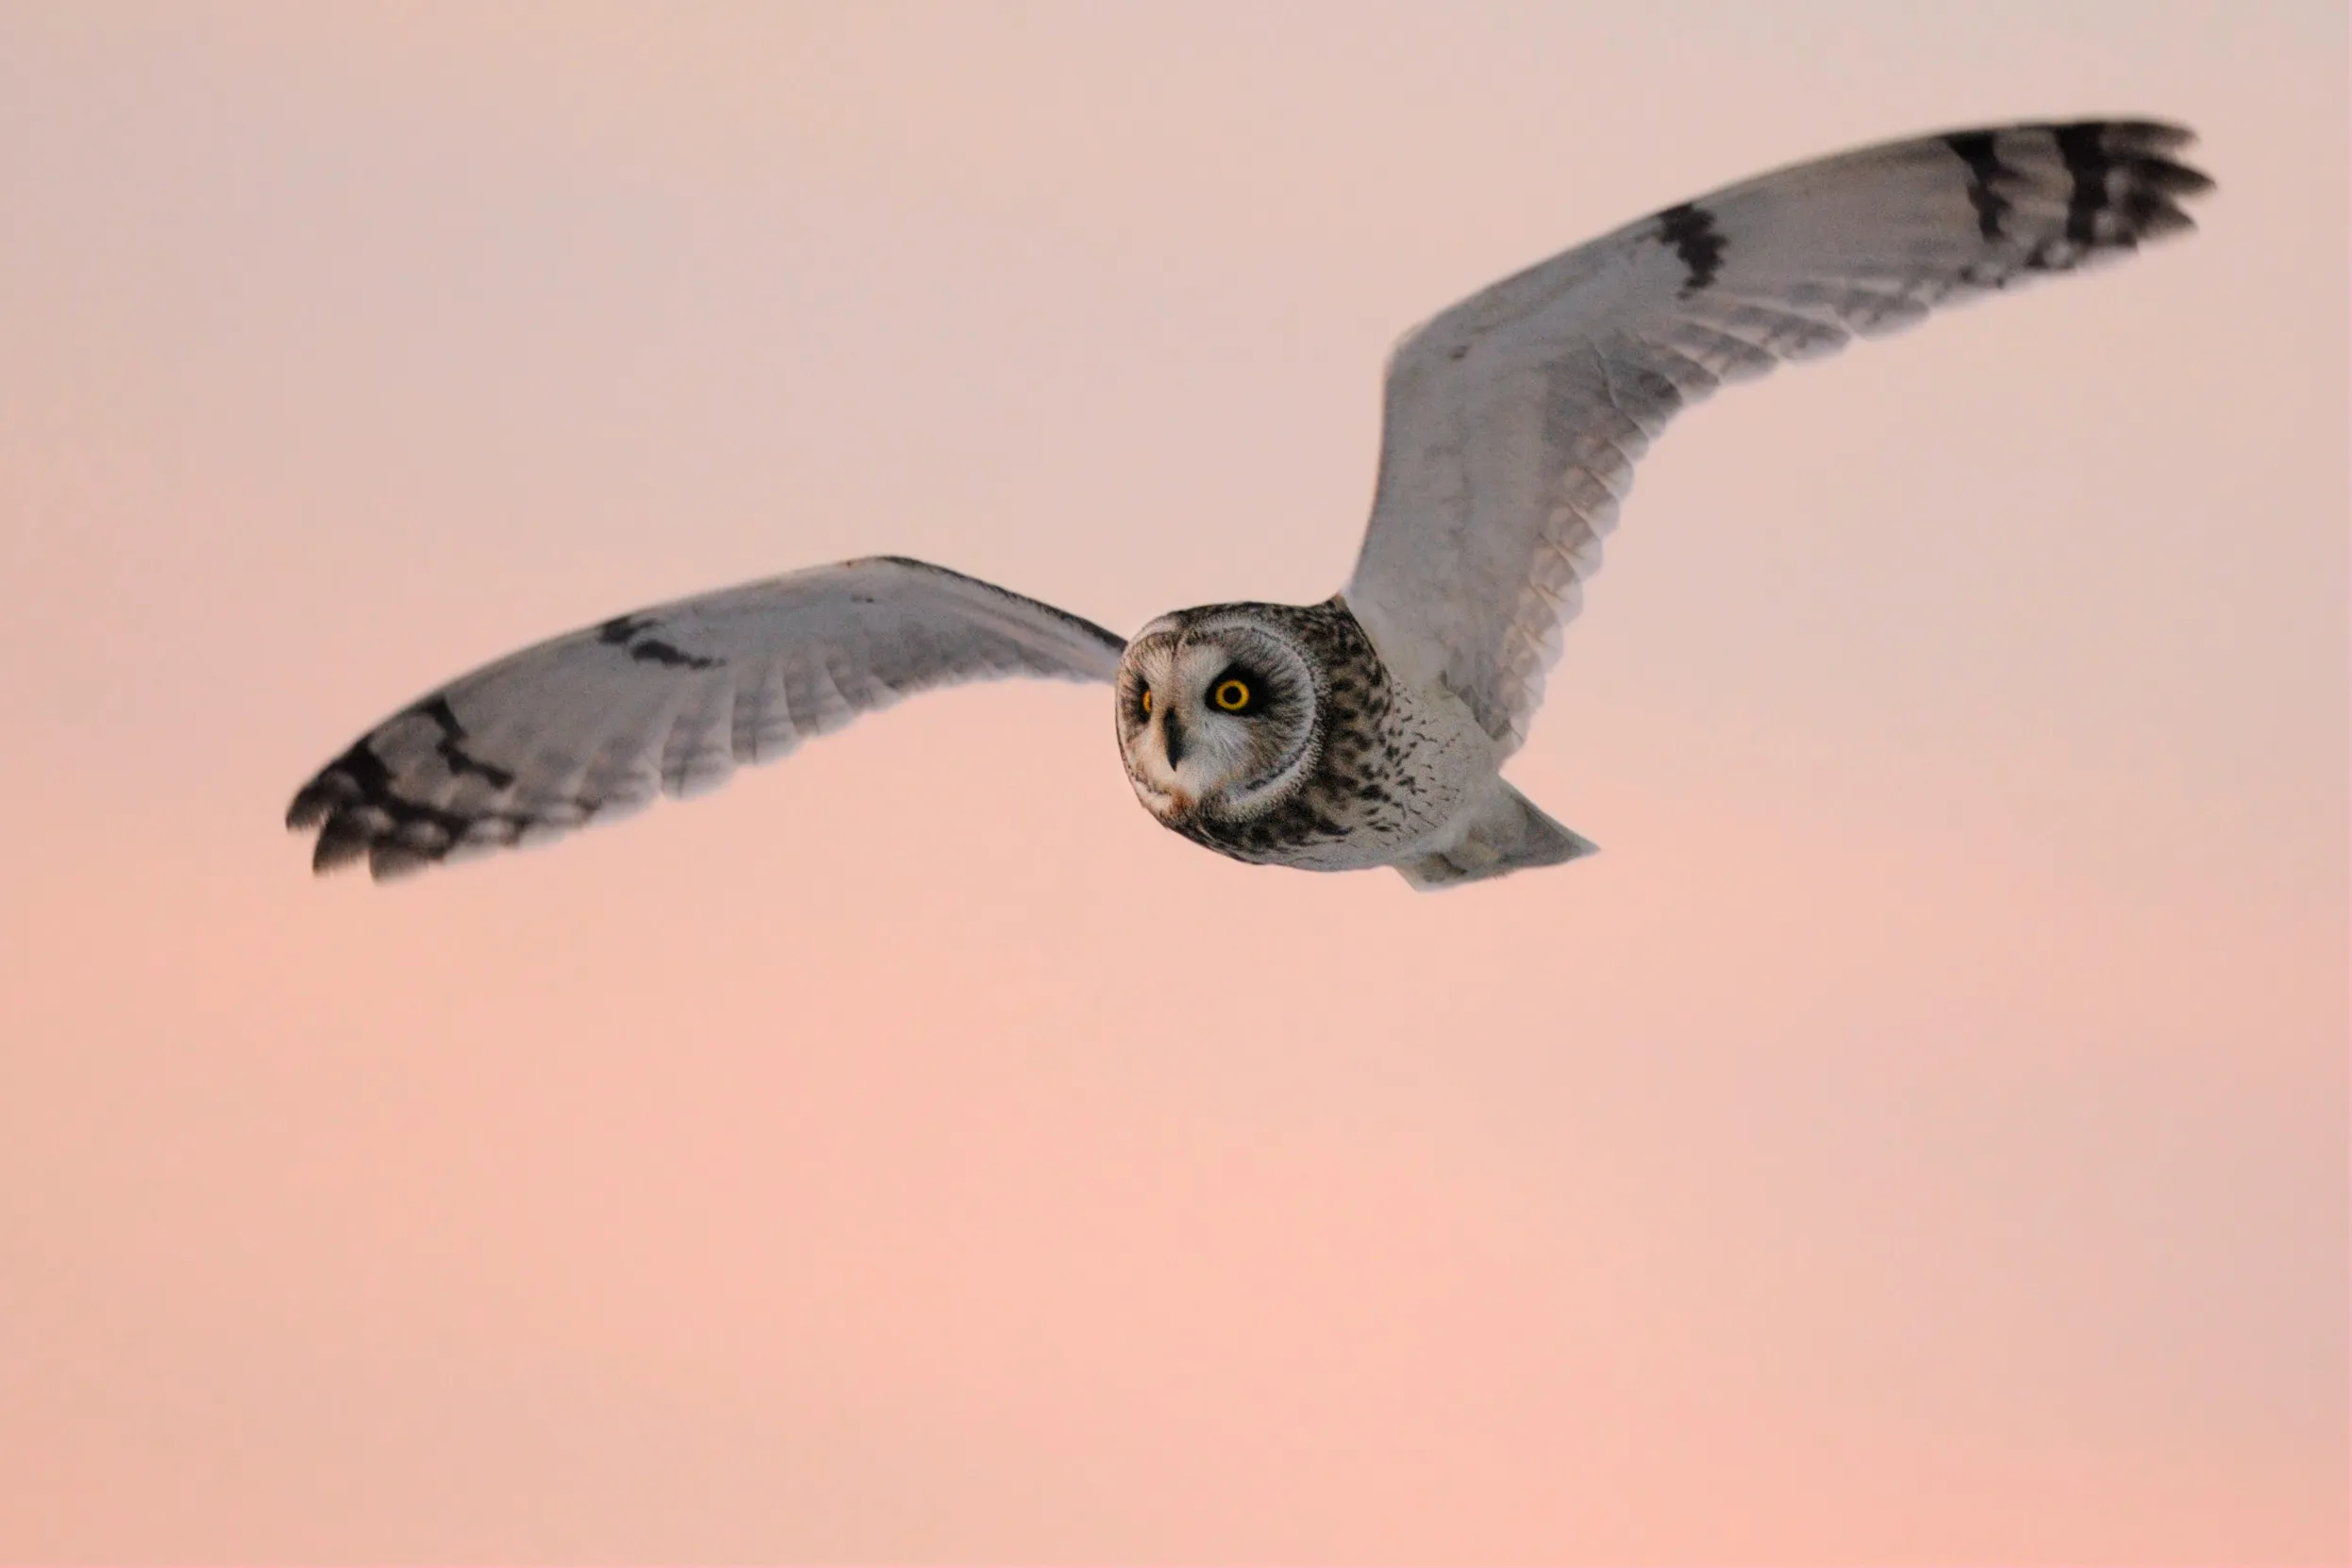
(597, 724)
(1515, 419)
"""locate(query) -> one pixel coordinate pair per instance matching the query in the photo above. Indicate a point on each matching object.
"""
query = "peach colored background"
(1921, 1135)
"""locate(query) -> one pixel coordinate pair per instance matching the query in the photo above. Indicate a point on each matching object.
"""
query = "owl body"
(1352, 767)
(1279, 735)
(1369, 729)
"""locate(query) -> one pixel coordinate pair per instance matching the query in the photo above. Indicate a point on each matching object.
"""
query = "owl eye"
(1231, 694)
(1145, 702)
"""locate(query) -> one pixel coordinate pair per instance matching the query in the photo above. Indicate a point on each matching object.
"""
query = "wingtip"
(342, 843)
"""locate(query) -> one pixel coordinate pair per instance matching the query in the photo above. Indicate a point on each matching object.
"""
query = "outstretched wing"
(592, 725)
(1515, 419)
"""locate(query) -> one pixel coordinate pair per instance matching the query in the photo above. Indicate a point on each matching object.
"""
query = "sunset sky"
(1920, 1135)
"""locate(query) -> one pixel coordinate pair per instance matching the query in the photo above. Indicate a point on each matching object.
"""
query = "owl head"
(1220, 712)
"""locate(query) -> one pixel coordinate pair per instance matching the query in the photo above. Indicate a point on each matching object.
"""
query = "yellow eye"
(1232, 695)
(1147, 701)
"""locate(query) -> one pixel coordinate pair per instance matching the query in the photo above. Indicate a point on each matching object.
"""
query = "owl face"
(1219, 715)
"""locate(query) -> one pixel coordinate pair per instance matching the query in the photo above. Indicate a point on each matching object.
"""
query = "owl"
(1369, 729)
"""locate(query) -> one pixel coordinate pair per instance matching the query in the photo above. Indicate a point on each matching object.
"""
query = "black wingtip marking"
(2122, 188)
(621, 627)
(1691, 230)
(458, 760)
(1974, 148)
(361, 816)
(2082, 148)
(358, 814)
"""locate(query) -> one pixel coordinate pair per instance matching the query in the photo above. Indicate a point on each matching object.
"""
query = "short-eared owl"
(1367, 730)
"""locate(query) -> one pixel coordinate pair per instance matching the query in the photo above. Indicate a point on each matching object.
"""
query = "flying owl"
(1369, 729)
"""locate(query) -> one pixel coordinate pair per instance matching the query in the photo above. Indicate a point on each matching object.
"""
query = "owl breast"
(1392, 766)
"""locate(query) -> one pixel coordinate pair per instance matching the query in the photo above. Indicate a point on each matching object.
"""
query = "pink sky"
(1921, 1135)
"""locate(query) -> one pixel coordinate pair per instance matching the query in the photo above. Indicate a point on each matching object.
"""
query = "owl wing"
(592, 725)
(1514, 420)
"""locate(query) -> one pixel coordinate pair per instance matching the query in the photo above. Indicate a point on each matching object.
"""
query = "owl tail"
(1507, 833)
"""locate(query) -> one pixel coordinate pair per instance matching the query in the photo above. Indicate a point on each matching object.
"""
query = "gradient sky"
(1920, 1136)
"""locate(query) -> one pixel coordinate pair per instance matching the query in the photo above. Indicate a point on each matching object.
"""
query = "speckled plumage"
(1386, 767)
(1366, 730)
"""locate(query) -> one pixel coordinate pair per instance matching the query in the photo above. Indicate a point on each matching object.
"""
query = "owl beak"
(1172, 739)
